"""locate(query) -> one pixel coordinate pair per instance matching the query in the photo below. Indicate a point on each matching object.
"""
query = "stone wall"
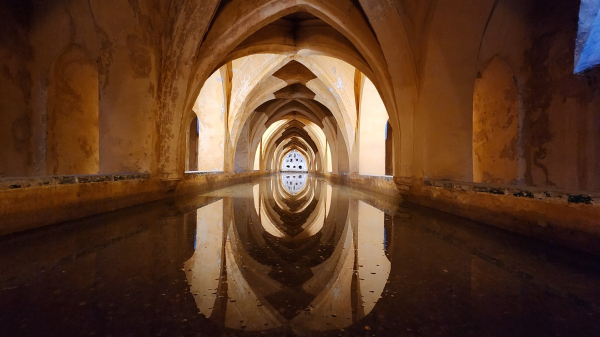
(558, 145)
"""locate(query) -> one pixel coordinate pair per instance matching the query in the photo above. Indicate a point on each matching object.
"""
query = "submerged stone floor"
(291, 255)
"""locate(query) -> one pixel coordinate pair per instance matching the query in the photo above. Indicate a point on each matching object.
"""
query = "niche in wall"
(389, 150)
(192, 146)
(495, 124)
(72, 123)
(210, 108)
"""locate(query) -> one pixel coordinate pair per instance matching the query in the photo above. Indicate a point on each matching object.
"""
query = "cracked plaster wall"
(120, 44)
(559, 110)
(495, 125)
(15, 89)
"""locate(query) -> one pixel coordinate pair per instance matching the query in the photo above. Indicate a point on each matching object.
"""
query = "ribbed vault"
(291, 61)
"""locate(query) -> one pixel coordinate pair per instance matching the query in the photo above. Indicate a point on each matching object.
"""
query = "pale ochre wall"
(373, 120)
(210, 109)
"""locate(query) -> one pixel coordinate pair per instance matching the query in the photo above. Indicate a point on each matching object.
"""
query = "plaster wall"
(562, 144)
(128, 69)
(495, 125)
(211, 111)
(73, 137)
(15, 90)
(444, 113)
(116, 40)
(559, 144)
(373, 121)
(345, 162)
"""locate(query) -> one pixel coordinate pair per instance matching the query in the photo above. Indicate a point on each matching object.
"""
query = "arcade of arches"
(471, 107)
(478, 108)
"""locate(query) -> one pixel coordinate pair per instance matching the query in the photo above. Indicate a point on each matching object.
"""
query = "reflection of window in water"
(294, 183)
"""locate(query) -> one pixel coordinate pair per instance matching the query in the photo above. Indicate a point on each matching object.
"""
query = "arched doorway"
(389, 150)
(192, 153)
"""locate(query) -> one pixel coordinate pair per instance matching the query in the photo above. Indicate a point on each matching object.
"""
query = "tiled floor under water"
(291, 255)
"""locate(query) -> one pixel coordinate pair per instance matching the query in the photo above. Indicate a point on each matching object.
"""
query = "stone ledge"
(562, 196)
(199, 182)
(28, 182)
(188, 176)
(372, 176)
(379, 184)
(193, 174)
(559, 218)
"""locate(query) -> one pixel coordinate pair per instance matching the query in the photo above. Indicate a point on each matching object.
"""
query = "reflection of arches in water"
(334, 276)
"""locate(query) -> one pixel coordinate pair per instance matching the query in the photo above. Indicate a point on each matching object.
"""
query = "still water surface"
(291, 255)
